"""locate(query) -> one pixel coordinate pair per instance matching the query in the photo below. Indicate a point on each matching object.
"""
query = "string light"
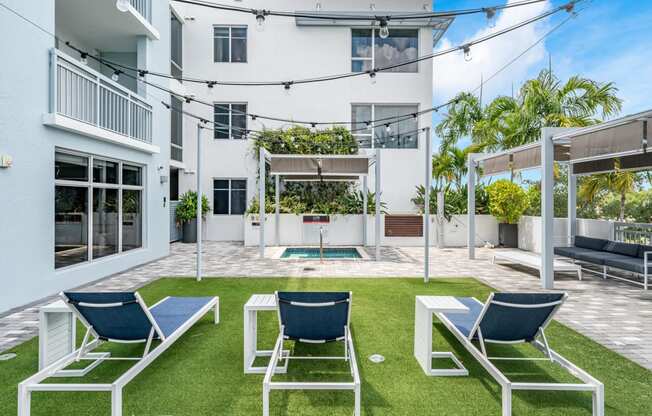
(388, 128)
(83, 58)
(116, 75)
(122, 5)
(490, 12)
(467, 53)
(260, 20)
(384, 29)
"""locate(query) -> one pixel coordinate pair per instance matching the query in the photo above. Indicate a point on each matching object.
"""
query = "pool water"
(313, 253)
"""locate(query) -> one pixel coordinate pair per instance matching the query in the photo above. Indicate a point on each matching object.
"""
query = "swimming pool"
(313, 253)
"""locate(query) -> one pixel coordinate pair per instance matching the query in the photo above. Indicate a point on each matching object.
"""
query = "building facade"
(86, 151)
(230, 46)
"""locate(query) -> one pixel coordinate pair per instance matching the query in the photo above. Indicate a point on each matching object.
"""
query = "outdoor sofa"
(118, 317)
(634, 258)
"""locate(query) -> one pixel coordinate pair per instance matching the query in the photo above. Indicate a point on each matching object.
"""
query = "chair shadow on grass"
(525, 369)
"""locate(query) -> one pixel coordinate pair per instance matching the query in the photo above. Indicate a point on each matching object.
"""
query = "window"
(229, 196)
(230, 43)
(176, 129)
(369, 51)
(98, 208)
(174, 184)
(402, 135)
(230, 121)
(176, 46)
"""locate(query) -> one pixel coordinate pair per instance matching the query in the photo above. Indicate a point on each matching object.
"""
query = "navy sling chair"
(117, 317)
(312, 318)
(516, 318)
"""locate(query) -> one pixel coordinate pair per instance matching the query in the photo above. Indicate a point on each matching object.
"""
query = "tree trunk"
(622, 206)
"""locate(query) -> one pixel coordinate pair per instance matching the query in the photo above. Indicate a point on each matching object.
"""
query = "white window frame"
(230, 38)
(372, 59)
(230, 104)
(174, 14)
(373, 126)
(229, 190)
(90, 185)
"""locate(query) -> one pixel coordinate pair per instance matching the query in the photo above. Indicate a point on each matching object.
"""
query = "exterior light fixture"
(84, 58)
(388, 128)
(123, 5)
(490, 12)
(384, 29)
(116, 75)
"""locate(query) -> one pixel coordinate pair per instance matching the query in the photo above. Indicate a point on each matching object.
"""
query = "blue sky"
(610, 40)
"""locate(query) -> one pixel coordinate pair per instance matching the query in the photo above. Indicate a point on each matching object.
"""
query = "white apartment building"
(85, 194)
(228, 46)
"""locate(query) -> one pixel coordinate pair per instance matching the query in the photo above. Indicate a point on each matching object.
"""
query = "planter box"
(190, 231)
(508, 235)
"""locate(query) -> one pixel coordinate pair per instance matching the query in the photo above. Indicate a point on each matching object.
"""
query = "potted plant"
(507, 203)
(186, 213)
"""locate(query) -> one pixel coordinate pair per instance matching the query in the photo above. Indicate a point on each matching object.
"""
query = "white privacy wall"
(529, 231)
(346, 230)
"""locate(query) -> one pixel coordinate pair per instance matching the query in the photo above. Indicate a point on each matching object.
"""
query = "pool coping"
(277, 252)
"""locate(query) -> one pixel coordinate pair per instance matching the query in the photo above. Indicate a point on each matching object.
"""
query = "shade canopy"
(617, 144)
(319, 167)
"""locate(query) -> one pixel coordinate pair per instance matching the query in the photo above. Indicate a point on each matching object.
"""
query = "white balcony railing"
(85, 95)
(630, 232)
(144, 7)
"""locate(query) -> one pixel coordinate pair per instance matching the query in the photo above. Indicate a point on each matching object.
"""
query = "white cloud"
(452, 74)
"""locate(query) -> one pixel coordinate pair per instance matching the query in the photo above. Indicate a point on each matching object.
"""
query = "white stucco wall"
(27, 228)
(287, 51)
(529, 231)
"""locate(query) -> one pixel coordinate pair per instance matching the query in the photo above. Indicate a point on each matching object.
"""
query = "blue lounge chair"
(515, 318)
(120, 317)
(313, 318)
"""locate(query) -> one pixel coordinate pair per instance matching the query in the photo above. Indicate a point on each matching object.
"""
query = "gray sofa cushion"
(572, 252)
(598, 257)
(632, 264)
(588, 242)
(626, 249)
(642, 249)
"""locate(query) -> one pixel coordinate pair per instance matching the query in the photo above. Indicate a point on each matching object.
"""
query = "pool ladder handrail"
(321, 244)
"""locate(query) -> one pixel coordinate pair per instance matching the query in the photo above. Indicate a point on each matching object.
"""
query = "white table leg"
(250, 328)
(423, 337)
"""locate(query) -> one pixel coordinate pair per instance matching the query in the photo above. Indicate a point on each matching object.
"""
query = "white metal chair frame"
(58, 368)
(278, 356)
(647, 264)
(589, 382)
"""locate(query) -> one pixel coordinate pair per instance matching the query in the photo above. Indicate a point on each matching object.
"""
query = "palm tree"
(507, 122)
(619, 182)
(449, 167)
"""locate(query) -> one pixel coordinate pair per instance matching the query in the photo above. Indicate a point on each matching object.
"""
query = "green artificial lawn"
(202, 374)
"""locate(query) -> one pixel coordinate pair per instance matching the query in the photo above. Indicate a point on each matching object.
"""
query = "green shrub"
(507, 201)
(186, 211)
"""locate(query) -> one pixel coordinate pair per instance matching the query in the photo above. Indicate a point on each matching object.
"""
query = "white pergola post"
(572, 205)
(199, 202)
(377, 198)
(426, 207)
(261, 200)
(547, 209)
(441, 201)
(277, 211)
(471, 206)
(365, 190)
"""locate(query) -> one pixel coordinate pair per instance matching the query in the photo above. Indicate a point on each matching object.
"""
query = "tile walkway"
(615, 314)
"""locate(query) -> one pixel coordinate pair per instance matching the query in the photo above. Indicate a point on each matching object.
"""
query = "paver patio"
(615, 314)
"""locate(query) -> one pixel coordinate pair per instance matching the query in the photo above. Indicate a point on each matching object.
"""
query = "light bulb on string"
(372, 76)
(260, 20)
(84, 58)
(116, 76)
(388, 128)
(467, 53)
(286, 87)
(490, 12)
(122, 5)
(384, 29)
(313, 128)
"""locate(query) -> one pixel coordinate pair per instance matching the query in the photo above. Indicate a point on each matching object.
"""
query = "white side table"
(425, 307)
(251, 352)
(56, 333)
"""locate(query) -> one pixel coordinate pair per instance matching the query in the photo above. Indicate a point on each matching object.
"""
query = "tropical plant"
(346, 203)
(619, 182)
(186, 211)
(455, 200)
(507, 201)
(545, 101)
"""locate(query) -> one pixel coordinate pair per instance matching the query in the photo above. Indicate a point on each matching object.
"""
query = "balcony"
(100, 24)
(86, 102)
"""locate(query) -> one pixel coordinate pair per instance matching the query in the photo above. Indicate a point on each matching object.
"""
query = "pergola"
(318, 168)
(621, 143)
